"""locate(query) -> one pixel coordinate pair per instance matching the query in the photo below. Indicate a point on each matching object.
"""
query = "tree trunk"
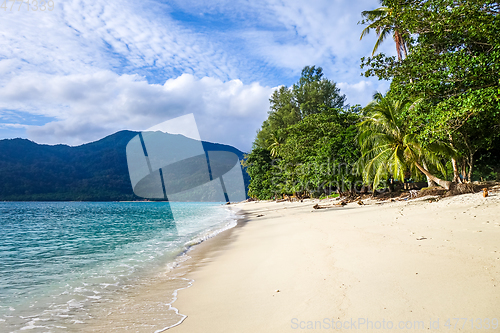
(456, 174)
(464, 170)
(430, 182)
(390, 184)
(470, 158)
(443, 183)
(471, 165)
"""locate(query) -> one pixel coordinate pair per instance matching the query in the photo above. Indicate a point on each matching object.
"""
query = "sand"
(396, 264)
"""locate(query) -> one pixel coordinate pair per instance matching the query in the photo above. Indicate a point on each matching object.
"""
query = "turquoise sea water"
(56, 259)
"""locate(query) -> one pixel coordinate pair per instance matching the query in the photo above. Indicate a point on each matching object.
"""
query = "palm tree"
(388, 150)
(277, 140)
(383, 21)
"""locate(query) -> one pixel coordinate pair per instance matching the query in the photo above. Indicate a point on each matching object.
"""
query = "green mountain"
(96, 171)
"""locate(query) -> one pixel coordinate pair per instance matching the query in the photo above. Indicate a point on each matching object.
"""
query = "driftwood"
(292, 198)
(317, 206)
(340, 204)
(462, 189)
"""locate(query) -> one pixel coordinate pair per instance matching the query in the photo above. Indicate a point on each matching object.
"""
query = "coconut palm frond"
(382, 34)
(384, 22)
(386, 147)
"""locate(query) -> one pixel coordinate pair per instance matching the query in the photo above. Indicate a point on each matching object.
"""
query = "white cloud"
(83, 36)
(88, 106)
(327, 35)
(324, 31)
(9, 125)
(294, 33)
(78, 64)
(362, 91)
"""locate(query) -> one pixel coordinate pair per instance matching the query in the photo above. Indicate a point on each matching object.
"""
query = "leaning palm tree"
(383, 21)
(389, 150)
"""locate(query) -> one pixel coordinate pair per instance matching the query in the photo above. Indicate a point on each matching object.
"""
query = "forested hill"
(96, 171)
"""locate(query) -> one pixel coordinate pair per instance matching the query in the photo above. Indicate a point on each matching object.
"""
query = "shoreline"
(197, 254)
(409, 261)
(148, 306)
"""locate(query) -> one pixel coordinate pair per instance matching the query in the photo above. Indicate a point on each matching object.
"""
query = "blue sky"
(88, 69)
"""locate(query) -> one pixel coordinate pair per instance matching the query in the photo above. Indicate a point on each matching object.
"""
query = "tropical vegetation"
(391, 151)
(307, 146)
(440, 119)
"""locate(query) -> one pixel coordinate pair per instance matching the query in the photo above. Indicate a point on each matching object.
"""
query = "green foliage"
(454, 62)
(384, 21)
(453, 66)
(283, 112)
(313, 92)
(260, 168)
(307, 145)
(488, 165)
(316, 158)
(324, 196)
(290, 105)
(319, 152)
(389, 150)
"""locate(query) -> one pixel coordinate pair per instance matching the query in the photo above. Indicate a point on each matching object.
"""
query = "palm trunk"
(443, 183)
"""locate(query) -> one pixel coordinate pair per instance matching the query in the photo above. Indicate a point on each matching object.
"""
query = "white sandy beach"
(407, 263)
